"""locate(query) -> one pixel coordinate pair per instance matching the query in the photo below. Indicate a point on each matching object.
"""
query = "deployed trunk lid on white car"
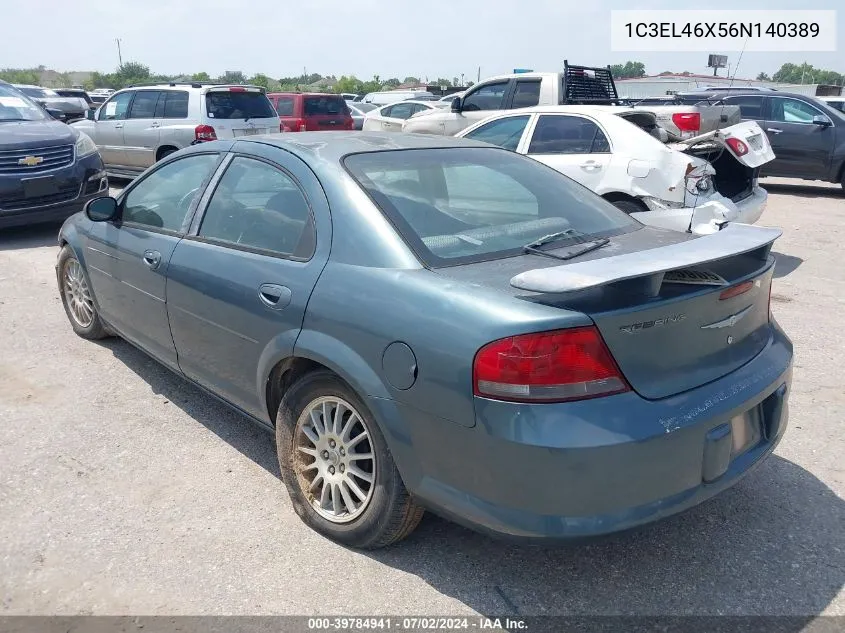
(746, 142)
(235, 111)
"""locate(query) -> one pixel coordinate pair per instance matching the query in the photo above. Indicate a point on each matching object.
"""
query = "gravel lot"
(125, 490)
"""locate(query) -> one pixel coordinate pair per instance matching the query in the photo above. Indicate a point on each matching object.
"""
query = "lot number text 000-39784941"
(723, 30)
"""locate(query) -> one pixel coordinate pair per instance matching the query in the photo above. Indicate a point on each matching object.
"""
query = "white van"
(392, 96)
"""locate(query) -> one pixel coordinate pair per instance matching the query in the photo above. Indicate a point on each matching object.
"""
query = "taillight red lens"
(547, 367)
(237, 89)
(739, 148)
(687, 121)
(205, 133)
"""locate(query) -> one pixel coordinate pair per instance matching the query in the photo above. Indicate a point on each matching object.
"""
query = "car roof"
(303, 94)
(420, 101)
(592, 110)
(318, 145)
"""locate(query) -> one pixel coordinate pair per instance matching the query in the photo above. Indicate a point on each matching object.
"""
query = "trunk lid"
(675, 311)
(326, 112)
(749, 134)
(674, 317)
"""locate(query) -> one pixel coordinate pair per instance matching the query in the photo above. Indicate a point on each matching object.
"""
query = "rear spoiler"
(734, 239)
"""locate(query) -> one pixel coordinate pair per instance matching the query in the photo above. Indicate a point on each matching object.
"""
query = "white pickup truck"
(579, 85)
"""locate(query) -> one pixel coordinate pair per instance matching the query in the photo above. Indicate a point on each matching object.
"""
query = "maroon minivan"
(304, 111)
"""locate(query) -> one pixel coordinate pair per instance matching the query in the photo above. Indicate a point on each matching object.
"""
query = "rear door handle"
(274, 296)
(118, 125)
(773, 130)
(152, 259)
(155, 124)
(591, 164)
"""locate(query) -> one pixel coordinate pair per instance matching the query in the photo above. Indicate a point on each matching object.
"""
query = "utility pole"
(119, 56)
(479, 73)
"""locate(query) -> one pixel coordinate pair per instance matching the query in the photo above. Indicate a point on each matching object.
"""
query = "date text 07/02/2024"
(414, 623)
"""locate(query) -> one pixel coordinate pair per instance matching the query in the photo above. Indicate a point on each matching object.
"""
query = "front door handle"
(590, 164)
(117, 126)
(773, 130)
(155, 124)
(274, 296)
(152, 259)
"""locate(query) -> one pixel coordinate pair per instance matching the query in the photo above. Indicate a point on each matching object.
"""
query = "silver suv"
(140, 125)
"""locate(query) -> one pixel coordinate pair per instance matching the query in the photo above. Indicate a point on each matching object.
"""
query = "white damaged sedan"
(697, 185)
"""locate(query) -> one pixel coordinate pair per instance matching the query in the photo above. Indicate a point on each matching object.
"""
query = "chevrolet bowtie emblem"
(729, 322)
(31, 161)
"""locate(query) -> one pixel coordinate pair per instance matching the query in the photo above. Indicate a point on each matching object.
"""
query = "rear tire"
(628, 206)
(77, 298)
(318, 426)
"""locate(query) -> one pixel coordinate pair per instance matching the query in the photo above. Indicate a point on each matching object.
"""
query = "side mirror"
(822, 120)
(101, 209)
(457, 105)
(90, 114)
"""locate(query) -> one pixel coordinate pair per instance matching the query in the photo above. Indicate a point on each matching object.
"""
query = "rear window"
(238, 105)
(328, 105)
(457, 205)
(284, 106)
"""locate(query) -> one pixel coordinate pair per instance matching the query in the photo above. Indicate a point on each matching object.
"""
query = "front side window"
(487, 97)
(162, 199)
(401, 111)
(526, 94)
(144, 104)
(115, 109)
(456, 205)
(792, 111)
(257, 205)
(238, 103)
(561, 134)
(502, 132)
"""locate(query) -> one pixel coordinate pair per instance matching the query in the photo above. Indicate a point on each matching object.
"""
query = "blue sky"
(363, 37)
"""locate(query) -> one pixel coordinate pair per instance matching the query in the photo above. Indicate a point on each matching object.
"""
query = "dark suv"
(48, 170)
(807, 135)
(311, 112)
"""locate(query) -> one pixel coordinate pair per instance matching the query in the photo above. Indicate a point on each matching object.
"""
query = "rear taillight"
(547, 367)
(205, 133)
(737, 290)
(237, 89)
(350, 124)
(739, 148)
(687, 121)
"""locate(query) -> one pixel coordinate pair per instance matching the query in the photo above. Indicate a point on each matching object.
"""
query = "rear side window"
(401, 111)
(284, 106)
(526, 94)
(325, 106)
(556, 134)
(226, 104)
(173, 104)
(750, 107)
(259, 206)
(502, 132)
(144, 104)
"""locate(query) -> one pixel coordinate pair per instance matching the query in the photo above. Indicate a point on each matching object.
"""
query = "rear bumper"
(86, 173)
(590, 468)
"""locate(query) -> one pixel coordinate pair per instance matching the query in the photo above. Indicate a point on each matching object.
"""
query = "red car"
(310, 112)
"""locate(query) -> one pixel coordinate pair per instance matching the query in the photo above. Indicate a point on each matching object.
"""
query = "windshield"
(458, 205)
(238, 105)
(16, 107)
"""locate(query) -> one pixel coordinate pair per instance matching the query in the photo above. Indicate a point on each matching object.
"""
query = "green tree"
(21, 75)
(411, 80)
(232, 77)
(763, 77)
(260, 80)
(807, 74)
(628, 70)
(349, 84)
(203, 76)
(442, 82)
(393, 82)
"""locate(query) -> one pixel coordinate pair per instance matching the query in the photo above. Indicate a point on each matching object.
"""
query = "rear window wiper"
(587, 245)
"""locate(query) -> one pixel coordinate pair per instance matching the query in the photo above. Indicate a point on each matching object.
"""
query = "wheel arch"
(618, 196)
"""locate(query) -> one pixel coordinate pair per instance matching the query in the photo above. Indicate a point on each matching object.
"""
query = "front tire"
(338, 471)
(77, 298)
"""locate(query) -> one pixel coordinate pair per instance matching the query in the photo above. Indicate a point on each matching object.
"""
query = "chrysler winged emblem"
(31, 161)
(729, 322)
